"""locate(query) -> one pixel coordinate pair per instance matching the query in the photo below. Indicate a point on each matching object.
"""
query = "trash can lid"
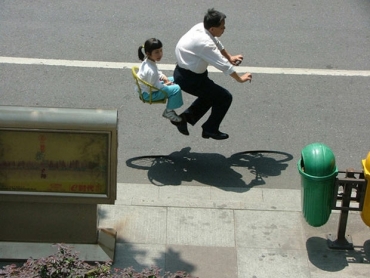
(318, 160)
(366, 165)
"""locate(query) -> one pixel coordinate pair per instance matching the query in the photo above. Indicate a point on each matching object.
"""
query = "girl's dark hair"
(148, 47)
(213, 18)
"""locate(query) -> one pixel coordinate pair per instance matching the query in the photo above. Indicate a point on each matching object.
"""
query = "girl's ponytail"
(141, 52)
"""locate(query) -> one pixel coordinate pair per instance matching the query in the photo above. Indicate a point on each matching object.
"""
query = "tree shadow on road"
(212, 168)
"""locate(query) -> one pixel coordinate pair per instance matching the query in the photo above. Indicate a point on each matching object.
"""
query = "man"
(198, 48)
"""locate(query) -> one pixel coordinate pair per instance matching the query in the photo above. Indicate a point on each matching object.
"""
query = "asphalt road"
(270, 120)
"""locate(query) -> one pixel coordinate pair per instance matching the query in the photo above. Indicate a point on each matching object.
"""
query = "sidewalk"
(213, 232)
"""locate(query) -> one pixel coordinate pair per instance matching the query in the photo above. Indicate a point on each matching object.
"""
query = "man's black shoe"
(182, 126)
(217, 135)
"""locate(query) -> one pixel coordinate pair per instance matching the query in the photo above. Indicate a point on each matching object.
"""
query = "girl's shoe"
(171, 115)
(182, 126)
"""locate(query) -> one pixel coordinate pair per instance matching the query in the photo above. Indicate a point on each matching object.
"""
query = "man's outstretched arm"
(242, 78)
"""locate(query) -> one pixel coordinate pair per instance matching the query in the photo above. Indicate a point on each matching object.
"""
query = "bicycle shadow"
(212, 168)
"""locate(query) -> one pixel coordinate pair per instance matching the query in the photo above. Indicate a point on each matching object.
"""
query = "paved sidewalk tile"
(185, 192)
(208, 197)
(257, 198)
(127, 192)
(139, 256)
(216, 232)
(272, 263)
(281, 199)
(200, 261)
(137, 224)
(200, 227)
(203, 262)
(329, 263)
(227, 197)
(184, 196)
(267, 229)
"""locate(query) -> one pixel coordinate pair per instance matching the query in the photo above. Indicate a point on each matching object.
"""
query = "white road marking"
(122, 65)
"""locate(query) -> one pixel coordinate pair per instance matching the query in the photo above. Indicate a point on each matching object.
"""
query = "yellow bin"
(365, 214)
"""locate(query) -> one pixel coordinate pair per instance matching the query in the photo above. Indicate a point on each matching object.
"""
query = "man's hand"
(247, 77)
(233, 59)
(243, 78)
(236, 59)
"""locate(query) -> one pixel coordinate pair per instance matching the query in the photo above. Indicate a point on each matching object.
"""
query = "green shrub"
(66, 264)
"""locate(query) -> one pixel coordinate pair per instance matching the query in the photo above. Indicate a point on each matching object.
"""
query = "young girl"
(150, 53)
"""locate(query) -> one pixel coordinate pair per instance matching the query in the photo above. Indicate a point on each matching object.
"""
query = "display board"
(54, 162)
(59, 162)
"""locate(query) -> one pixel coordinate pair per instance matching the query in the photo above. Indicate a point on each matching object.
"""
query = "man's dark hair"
(213, 18)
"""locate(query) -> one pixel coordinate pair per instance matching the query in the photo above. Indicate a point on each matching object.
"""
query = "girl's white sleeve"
(154, 79)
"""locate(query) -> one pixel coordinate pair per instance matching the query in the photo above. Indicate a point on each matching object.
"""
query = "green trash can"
(318, 173)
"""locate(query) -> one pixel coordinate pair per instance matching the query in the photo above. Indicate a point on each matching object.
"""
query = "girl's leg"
(174, 96)
(174, 100)
(157, 95)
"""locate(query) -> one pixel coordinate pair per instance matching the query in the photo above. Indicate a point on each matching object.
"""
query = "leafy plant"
(66, 264)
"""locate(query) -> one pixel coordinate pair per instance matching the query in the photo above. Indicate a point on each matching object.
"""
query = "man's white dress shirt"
(198, 48)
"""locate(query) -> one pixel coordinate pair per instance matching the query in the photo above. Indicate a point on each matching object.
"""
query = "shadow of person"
(262, 164)
(206, 168)
(211, 168)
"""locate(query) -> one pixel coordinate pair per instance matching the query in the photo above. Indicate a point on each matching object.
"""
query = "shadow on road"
(212, 168)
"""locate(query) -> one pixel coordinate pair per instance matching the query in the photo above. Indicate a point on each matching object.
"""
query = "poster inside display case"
(58, 162)
(54, 162)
